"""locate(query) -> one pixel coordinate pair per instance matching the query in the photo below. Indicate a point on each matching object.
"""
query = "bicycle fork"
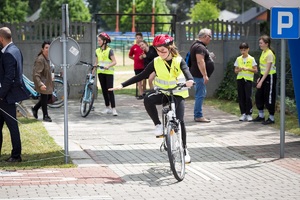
(168, 118)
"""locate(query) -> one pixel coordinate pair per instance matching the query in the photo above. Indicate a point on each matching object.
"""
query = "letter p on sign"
(285, 23)
(282, 24)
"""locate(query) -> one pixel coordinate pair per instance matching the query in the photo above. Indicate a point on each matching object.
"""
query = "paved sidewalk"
(119, 158)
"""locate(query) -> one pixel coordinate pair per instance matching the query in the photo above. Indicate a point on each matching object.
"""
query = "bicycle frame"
(172, 134)
(30, 87)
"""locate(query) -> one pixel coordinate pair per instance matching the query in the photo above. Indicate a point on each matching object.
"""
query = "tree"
(13, 11)
(204, 11)
(77, 10)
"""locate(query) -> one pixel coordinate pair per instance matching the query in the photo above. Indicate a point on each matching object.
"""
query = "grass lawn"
(39, 150)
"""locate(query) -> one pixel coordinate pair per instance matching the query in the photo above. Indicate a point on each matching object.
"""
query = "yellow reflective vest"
(263, 62)
(103, 60)
(168, 79)
(247, 75)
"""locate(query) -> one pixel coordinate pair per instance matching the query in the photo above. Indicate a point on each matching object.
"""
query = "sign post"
(65, 51)
(284, 25)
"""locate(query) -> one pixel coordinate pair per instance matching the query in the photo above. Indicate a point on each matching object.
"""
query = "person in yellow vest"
(169, 68)
(245, 67)
(105, 62)
(266, 85)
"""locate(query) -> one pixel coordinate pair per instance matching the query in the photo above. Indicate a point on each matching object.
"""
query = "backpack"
(188, 59)
(188, 56)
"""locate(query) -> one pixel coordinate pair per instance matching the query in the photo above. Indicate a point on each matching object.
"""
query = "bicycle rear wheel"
(87, 101)
(58, 93)
(175, 151)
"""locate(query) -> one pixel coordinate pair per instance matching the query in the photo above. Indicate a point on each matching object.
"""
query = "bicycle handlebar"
(89, 64)
(178, 86)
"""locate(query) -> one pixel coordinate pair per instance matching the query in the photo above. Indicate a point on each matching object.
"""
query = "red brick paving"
(88, 175)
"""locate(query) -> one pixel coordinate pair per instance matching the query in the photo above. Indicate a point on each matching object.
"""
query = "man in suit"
(12, 90)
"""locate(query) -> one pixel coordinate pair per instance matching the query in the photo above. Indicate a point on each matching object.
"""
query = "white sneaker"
(249, 118)
(243, 118)
(187, 157)
(107, 111)
(114, 112)
(158, 130)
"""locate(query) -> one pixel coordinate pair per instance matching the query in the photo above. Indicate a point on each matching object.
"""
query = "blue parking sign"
(285, 23)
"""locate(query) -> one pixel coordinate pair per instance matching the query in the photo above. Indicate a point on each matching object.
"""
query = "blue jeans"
(200, 94)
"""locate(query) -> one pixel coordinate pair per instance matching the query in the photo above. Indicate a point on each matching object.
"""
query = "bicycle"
(58, 93)
(87, 97)
(172, 142)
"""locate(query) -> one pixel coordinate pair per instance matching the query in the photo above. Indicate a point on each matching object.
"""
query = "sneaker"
(249, 118)
(114, 112)
(259, 119)
(187, 157)
(107, 111)
(34, 113)
(158, 130)
(243, 118)
(47, 119)
(268, 121)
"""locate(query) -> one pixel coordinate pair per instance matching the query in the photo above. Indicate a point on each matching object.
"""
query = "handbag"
(51, 99)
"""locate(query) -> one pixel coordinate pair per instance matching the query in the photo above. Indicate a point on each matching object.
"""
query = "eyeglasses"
(209, 36)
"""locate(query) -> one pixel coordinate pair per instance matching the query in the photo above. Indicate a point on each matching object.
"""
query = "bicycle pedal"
(187, 163)
(160, 136)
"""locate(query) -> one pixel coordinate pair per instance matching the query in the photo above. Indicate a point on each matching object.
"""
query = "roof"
(227, 15)
(250, 14)
(279, 3)
(35, 16)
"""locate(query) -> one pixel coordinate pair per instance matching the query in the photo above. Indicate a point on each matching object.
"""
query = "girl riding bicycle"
(170, 69)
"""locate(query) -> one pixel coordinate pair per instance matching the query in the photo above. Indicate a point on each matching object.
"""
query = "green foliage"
(77, 10)
(228, 88)
(204, 11)
(145, 7)
(13, 11)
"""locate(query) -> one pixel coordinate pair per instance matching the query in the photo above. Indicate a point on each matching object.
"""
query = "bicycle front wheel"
(175, 151)
(87, 101)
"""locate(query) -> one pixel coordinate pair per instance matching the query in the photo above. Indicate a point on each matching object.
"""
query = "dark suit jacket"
(11, 69)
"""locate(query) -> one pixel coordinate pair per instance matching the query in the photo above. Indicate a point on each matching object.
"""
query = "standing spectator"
(105, 60)
(148, 55)
(12, 90)
(266, 84)
(135, 53)
(245, 67)
(42, 78)
(202, 66)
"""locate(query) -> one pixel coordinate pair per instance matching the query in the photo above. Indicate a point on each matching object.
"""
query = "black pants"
(8, 115)
(244, 88)
(106, 82)
(43, 101)
(266, 95)
(152, 99)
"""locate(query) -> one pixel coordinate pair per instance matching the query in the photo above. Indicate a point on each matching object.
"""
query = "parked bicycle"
(172, 142)
(58, 93)
(87, 97)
